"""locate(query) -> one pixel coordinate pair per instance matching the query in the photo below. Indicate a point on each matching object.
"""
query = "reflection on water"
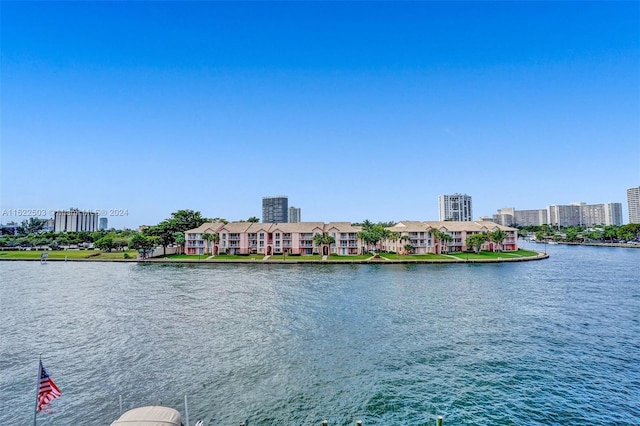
(553, 341)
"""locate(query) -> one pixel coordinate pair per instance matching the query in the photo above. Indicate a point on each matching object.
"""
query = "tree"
(367, 225)
(218, 219)
(571, 235)
(84, 237)
(498, 236)
(253, 219)
(408, 248)
(629, 232)
(119, 243)
(610, 232)
(323, 239)
(184, 220)
(105, 244)
(522, 233)
(443, 237)
(474, 241)
(142, 243)
(180, 240)
(208, 237)
(31, 226)
(393, 236)
(370, 238)
(95, 236)
(405, 239)
(165, 232)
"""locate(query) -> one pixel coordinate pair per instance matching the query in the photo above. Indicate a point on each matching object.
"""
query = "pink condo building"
(260, 238)
(421, 237)
(297, 238)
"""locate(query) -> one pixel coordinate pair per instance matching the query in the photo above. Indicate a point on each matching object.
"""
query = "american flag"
(47, 390)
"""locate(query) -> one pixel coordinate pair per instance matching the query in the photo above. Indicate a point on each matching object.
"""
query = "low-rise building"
(422, 238)
(298, 238)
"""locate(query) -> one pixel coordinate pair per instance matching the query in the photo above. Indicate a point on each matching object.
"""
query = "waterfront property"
(406, 237)
(426, 237)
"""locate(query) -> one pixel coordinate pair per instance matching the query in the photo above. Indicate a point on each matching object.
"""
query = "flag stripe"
(47, 390)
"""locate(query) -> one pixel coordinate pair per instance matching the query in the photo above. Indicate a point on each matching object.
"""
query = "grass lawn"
(340, 258)
(495, 255)
(69, 254)
(184, 256)
(227, 257)
(218, 258)
(305, 258)
(392, 256)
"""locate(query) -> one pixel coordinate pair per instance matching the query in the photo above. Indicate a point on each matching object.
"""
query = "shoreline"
(540, 256)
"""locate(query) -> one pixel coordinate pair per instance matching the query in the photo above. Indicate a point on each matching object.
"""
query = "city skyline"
(355, 110)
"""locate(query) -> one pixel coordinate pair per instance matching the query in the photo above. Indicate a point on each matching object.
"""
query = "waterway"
(553, 342)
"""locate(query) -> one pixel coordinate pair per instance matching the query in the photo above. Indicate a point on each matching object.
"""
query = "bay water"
(553, 342)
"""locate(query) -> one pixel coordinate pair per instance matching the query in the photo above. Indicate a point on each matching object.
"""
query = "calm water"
(546, 342)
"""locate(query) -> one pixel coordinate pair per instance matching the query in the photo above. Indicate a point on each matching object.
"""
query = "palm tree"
(443, 237)
(393, 236)
(370, 238)
(323, 240)
(404, 239)
(216, 239)
(367, 225)
(498, 236)
(207, 237)
(447, 238)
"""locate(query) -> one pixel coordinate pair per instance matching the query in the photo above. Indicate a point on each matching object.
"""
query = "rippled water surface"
(545, 342)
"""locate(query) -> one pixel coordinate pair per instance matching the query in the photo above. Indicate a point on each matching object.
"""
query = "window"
(262, 235)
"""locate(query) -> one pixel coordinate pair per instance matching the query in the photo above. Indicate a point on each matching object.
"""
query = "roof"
(467, 226)
(342, 227)
(207, 226)
(409, 226)
(301, 227)
(153, 415)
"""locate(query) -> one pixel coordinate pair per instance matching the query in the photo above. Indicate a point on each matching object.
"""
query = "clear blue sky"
(354, 110)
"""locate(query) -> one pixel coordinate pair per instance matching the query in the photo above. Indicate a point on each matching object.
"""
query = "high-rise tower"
(456, 207)
(275, 209)
(633, 201)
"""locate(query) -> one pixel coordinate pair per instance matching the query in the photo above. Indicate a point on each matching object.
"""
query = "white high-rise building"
(612, 213)
(456, 207)
(583, 214)
(74, 220)
(633, 201)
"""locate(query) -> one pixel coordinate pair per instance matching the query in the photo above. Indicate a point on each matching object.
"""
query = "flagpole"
(35, 411)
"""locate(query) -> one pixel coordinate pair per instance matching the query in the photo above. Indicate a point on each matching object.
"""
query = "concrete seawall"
(540, 256)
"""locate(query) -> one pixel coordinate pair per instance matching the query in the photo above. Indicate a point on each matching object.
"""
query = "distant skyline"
(356, 110)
